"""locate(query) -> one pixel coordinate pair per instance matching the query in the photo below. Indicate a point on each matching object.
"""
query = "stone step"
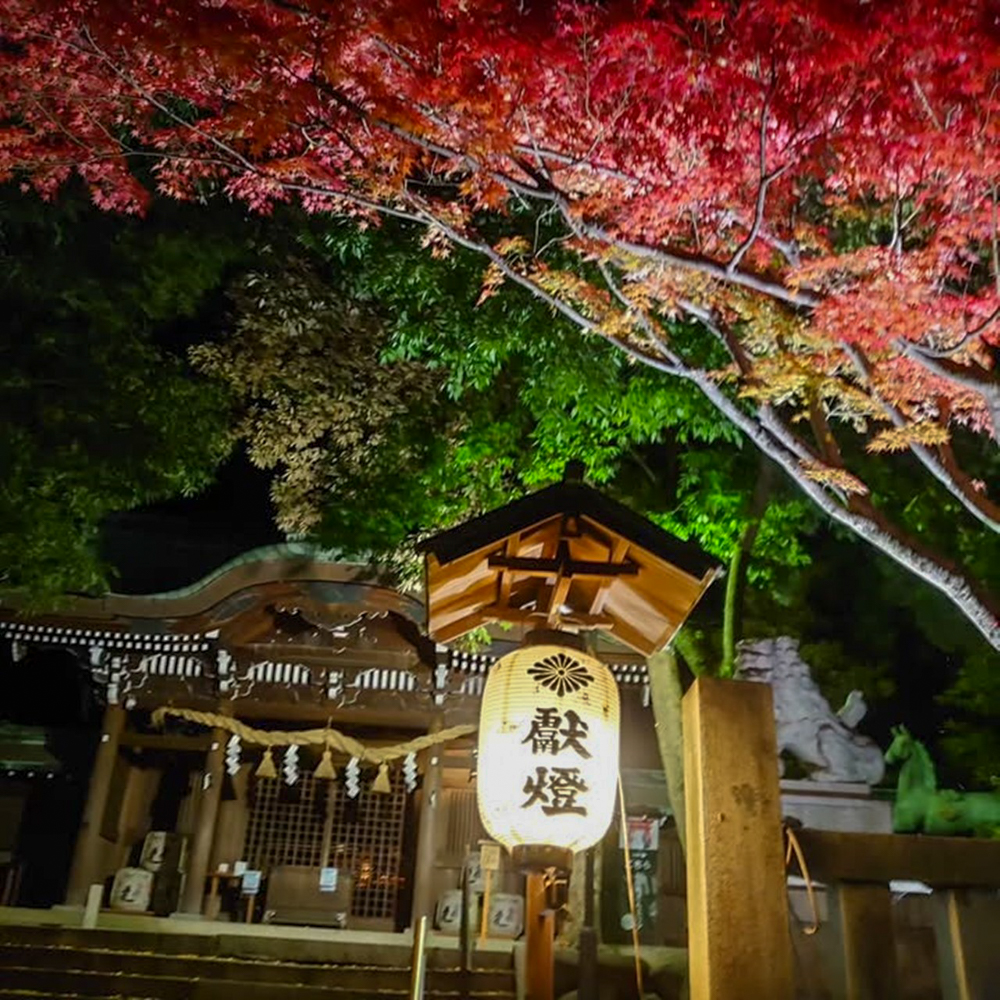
(53, 957)
(93, 985)
(326, 951)
(6, 994)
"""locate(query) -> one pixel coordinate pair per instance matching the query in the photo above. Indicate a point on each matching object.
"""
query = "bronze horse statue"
(921, 807)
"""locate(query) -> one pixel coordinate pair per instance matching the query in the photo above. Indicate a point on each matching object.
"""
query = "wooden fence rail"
(965, 876)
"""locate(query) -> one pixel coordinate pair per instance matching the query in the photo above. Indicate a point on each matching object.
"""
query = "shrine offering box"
(297, 894)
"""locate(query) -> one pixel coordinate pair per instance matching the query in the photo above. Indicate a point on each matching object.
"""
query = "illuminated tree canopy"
(811, 187)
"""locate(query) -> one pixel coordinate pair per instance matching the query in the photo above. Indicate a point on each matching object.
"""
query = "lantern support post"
(539, 933)
(564, 560)
(587, 982)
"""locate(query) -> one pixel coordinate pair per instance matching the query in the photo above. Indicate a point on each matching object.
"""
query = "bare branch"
(765, 181)
(963, 375)
(866, 523)
(566, 160)
(702, 265)
(946, 472)
(969, 335)
(926, 104)
(787, 248)
(428, 217)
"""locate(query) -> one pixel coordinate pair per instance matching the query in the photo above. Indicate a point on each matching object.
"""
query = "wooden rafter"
(589, 565)
(618, 553)
(564, 565)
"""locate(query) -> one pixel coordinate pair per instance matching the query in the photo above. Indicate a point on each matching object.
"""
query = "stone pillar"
(738, 930)
(430, 794)
(204, 829)
(86, 856)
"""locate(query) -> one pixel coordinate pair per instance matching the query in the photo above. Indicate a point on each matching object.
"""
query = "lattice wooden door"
(363, 836)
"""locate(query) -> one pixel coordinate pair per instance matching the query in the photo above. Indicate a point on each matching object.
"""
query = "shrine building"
(350, 829)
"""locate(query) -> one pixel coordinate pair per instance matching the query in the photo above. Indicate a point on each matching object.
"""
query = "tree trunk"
(665, 696)
(732, 621)
(730, 612)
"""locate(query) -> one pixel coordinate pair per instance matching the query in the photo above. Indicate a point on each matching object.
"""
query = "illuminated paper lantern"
(548, 750)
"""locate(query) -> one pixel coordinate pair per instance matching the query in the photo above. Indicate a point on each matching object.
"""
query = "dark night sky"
(173, 544)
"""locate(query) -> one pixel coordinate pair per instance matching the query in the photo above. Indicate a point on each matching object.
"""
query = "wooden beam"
(521, 615)
(165, 741)
(945, 862)
(445, 633)
(618, 553)
(582, 568)
(557, 596)
(481, 594)
(626, 632)
(506, 578)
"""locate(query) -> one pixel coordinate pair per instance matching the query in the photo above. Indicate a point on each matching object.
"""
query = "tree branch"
(995, 240)
(703, 265)
(765, 181)
(969, 335)
(946, 469)
(962, 375)
(977, 607)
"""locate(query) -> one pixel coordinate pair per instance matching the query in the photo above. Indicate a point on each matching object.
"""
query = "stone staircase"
(61, 962)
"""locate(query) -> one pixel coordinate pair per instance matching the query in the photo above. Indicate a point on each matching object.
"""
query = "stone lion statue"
(824, 741)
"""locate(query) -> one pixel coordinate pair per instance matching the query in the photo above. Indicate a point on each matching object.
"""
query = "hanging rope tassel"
(290, 765)
(381, 783)
(325, 768)
(267, 768)
(233, 747)
(794, 847)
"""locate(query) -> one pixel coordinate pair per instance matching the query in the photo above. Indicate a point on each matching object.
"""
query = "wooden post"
(484, 917)
(418, 960)
(86, 856)
(966, 925)
(92, 909)
(204, 833)
(738, 943)
(586, 988)
(539, 935)
(430, 793)
(861, 917)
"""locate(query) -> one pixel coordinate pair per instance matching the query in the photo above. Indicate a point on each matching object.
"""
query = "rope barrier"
(794, 847)
(329, 739)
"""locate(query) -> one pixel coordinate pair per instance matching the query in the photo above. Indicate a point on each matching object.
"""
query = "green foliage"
(316, 404)
(96, 415)
(534, 393)
(972, 733)
(838, 673)
(712, 506)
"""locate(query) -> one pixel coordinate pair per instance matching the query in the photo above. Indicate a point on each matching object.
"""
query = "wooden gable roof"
(565, 556)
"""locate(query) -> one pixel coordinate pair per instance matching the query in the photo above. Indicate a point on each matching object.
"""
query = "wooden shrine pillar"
(87, 854)
(738, 929)
(430, 796)
(205, 823)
